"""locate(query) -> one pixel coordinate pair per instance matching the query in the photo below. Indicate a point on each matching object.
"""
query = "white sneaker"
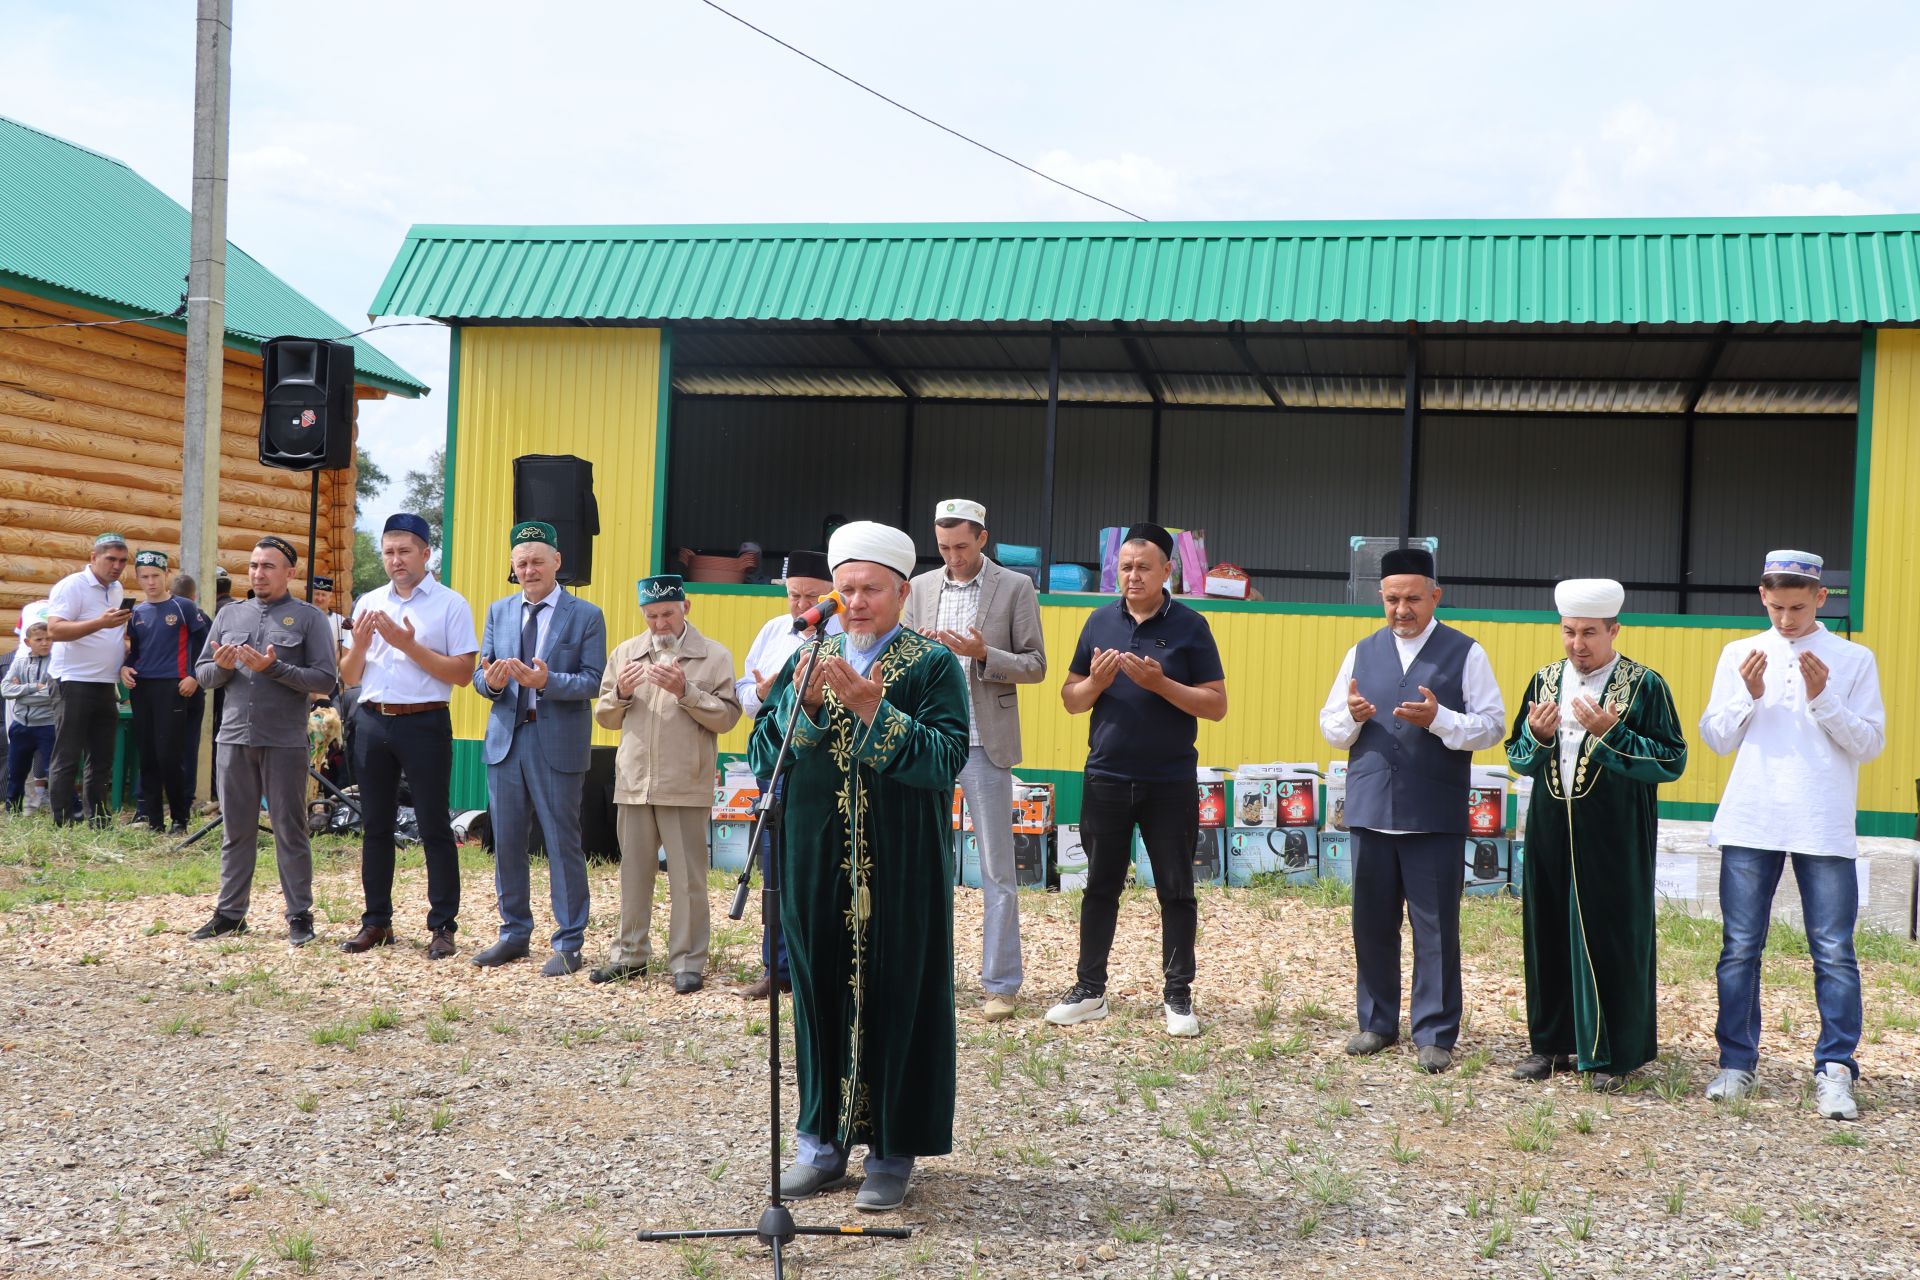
(1731, 1085)
(1078, 1005)
(1833, 1092)
(1180, 1019)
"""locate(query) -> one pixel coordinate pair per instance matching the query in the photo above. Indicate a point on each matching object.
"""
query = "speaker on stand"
(557, 489)
(306, 415)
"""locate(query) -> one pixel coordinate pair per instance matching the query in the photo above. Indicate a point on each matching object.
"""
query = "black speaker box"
(306, 412)
(557, 488)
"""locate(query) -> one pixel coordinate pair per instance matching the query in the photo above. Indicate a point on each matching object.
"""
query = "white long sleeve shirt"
(769, 652)
(1795, 784)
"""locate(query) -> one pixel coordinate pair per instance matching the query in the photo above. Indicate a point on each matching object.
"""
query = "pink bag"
(1190, 547)
(1110, 558)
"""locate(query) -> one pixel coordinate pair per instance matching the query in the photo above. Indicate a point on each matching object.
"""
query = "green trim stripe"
(452, 451)
(1862, 476)
(662, 441)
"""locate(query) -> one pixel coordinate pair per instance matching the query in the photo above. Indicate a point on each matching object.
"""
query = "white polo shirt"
(93, 659)
(441, 621)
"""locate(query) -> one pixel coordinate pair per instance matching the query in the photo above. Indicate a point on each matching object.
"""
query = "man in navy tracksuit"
(164, 638)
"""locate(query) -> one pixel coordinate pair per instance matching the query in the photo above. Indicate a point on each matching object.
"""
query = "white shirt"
(441, 621)
(959, 610)
(96, 658)
(776, 643)
(1796, 780)
(1573, 735)
(545, 624)
(1480, 724)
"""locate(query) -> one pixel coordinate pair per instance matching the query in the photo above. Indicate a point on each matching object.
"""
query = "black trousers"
(166, 733)
(85, 721)
(1421, 875)
(420, 748)
(1168, 815)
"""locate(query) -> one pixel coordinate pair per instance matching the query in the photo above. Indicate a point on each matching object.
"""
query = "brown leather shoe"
(441, 948)
(761, 988)
(369, 937)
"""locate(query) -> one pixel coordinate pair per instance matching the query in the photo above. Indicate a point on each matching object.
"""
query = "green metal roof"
(1845, 270)
(84, 229)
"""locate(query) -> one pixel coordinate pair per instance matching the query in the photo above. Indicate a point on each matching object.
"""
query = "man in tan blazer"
(990, 617)
(669, 691)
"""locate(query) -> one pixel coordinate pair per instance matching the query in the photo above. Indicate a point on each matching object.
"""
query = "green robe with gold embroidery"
(869, 926)
(1588, 883)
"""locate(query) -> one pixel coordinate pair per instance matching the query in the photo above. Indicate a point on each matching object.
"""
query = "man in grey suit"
(990, 618)
(540, 663)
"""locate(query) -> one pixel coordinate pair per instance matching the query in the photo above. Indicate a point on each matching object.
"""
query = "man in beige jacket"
(669, 691)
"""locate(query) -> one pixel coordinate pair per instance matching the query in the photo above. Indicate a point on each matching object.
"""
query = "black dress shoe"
(441, 948)
(369, 937)
(501, 952)
(218, 927)
(560, 964)
(1540, 1066)
(685, 984)
(299, 930)
(617, 973)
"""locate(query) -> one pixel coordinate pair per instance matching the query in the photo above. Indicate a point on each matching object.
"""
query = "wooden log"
(165, 410)
(142, 344)
(87, 471)
(127, 373)
(106, 500)
(77, 545)
(120, 428)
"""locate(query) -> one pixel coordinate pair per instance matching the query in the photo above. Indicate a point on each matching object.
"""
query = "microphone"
(827, 606)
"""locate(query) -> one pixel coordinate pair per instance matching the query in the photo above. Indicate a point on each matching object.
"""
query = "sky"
(351, 121)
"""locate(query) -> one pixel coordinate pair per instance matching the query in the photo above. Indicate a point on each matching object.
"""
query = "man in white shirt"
(1407, 777)
(1801, 707)
(87, 623)
(806, 578)
(412, 642)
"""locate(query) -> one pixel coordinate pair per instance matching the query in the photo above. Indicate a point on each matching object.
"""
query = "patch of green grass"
(1534, 1131)
(1474, 1063)
(199, 1249)
(1402, 1153)
(1843, 1138)
(296, 1247)
(1325, 1184)
(1308, 1225)
(592, 1241)
(501, 1027)
(1677, 1200)
(317, 1195)
(212, 1140)
(307, 1103)
(1499, 1236)
(438, 1031)
(1749, 1215)
(442, 1117)
(183, 1024)
(1583, 1120)
(1309, 1011)
(1527, 1199)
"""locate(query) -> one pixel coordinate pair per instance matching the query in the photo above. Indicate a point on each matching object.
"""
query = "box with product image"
(1070, 858)
(1209, 858)
(1336, 803)
(730, 840)
(1336, 856)
(1487, 801)
(1489, 865)
(1032, 858)
(735, 793)
(1212, 797)
(962, 819)
(1522, 801)
(1281, 794)
(1032, 807)
(1292, 852)
(1518, 852)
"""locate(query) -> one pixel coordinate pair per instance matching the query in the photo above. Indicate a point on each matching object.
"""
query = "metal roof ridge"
(69, 142)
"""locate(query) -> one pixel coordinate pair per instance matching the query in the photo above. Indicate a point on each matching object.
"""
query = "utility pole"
(206, 299)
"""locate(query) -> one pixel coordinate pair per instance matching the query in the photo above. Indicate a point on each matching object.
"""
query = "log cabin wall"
(90, 439)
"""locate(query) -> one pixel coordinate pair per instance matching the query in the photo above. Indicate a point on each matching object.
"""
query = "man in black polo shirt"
(1147, 667)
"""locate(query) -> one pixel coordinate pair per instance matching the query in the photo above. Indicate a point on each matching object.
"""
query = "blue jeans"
(827, 1155)
(29, 752)
(1830, 903)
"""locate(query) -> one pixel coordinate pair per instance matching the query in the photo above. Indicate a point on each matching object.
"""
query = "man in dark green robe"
(867, 872)
(1597, 734)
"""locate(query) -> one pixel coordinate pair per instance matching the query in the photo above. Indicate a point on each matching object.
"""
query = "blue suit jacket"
(575, 653)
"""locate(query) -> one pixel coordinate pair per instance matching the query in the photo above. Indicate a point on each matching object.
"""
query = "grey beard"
(862, 644)
(667, 645)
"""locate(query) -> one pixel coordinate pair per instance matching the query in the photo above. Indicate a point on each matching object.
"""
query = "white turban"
(1589, 598)
(867, 540)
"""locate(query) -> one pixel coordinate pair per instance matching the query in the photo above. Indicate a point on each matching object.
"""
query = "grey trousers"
(681, 830)
(246, 774)
(989, 792)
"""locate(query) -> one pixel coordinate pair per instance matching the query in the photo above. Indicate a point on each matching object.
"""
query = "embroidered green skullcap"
(109, 540)
(664, 588)
(150, 560)
(531, 531)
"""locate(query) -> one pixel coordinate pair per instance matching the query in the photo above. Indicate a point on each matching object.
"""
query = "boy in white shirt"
(1802, 708)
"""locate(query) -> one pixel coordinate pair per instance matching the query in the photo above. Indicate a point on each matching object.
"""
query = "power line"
(924, 118)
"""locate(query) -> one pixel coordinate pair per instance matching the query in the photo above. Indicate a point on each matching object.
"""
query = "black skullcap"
(1152, 533)
(281, 545)
(806, 564)
(1407, 560)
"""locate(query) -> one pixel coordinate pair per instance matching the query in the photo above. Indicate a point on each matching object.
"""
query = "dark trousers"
(29, 752)
(166, 732)
(85, 720)
(1169, 820)
(420, 748)
(776, 965)
(219, 709)
(1423, 874)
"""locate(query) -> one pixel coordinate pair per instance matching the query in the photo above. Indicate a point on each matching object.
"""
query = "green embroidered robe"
(869, 926)
(1588, 882)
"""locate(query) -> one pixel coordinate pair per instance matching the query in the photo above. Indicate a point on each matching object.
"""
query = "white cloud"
(1131, 181)
(1820, 198)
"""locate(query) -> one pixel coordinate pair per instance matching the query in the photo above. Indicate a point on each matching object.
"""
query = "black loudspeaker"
(557, 488)
(306, 414)
(1486, 860)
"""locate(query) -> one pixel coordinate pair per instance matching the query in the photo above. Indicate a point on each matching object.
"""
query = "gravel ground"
(167, 1109)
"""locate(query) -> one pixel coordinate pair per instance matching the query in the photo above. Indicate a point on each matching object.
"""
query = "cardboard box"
(735, 794)
(1209, 859)
(1290, 852)
(962, 820)
(1032, 859)
(1069, 858)
(1256, 801)
(1522, 801)
(1281, 794)
(1213, 798)
(1517, 888)
(729, 843)
(1489, 865)
(1487, 801)
(1032, 807)
(1336, 802)
(1336, 856)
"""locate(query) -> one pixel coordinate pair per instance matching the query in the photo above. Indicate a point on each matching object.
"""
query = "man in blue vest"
(1412, 703)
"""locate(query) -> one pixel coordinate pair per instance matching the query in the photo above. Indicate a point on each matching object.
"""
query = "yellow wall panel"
(590, 392)
(1893, 525)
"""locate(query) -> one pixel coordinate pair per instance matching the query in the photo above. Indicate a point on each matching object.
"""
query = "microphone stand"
(776, 1228)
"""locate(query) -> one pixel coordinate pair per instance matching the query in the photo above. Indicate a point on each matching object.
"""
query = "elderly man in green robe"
(1598, 735)
(867, 863)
